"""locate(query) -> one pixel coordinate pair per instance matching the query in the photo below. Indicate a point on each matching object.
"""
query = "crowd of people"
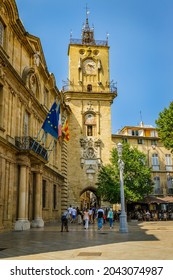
(86, 217)
(151, 215)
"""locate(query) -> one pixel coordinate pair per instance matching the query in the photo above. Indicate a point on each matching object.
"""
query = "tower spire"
(87, 13)
(87, 32)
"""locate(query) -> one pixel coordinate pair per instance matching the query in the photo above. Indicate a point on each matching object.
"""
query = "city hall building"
(41, 175)
(33, 170)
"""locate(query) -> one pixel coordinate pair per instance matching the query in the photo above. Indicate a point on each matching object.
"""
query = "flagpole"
(51, 149)
(40, 140)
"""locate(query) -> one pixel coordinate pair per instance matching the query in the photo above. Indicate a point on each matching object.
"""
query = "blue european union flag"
(50, 124)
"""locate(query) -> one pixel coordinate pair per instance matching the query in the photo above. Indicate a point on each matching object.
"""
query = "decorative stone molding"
(31, 79)
(26, 73)
(36, 58)
(90, 106)
(12, 91)
(90, 154)
(2, 9)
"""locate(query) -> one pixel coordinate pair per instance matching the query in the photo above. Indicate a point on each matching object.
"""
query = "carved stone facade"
(33, 181)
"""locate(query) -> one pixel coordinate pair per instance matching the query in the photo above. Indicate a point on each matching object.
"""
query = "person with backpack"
(100, 213)
(64, 220)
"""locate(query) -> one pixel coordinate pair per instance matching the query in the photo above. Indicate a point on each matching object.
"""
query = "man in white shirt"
(70, 213)
(73, 214)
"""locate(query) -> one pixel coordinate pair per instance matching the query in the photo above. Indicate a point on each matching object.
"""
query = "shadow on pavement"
(50, 239)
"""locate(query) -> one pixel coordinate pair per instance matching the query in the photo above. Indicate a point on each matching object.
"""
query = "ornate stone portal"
(90, 156)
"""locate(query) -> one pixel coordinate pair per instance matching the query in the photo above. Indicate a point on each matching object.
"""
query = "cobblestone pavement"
(144, 241)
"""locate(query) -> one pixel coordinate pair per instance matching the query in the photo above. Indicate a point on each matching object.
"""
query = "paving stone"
(145, 240)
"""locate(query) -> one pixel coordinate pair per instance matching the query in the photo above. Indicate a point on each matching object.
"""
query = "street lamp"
(123, 216)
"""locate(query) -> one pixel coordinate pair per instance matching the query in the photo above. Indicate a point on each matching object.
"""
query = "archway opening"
(89, 198)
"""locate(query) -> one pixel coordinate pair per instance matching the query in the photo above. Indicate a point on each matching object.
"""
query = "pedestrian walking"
(100, 213)
(93, 214)
(70, 213)
(86, 219)
(73, 214)
(79, 216)
(64, 220)
(110, 217)
(90, 212)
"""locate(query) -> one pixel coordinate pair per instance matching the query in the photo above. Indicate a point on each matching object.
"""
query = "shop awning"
(157, 200)
(167, 199)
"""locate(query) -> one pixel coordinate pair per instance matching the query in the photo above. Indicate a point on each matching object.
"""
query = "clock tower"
(89, 94)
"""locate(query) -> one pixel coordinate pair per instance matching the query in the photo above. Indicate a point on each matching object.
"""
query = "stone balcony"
(29, 144)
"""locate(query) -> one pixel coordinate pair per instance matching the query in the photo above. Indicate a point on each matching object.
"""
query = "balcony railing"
(169, 167)
(95, 42)
(81, 88)
(27, 143)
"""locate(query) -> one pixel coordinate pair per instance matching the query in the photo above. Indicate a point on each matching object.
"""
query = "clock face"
(89, 67)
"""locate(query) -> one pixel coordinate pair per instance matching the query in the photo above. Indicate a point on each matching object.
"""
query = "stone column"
(38, 221)
(22, 223)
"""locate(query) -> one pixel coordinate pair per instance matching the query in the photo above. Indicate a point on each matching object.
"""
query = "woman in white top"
(86, 218)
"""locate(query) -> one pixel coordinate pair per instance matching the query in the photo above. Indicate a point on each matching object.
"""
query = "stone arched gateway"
(89, 197)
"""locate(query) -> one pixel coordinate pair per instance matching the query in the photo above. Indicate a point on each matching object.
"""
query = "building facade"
(33, 179)
(145, 138)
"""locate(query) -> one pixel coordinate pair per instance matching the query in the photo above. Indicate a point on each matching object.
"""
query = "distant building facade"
(145, 138)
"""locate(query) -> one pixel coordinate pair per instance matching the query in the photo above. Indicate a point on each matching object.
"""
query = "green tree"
(137, 176)
(165, 127)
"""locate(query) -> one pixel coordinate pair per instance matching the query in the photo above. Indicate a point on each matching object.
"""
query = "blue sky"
(141, 48)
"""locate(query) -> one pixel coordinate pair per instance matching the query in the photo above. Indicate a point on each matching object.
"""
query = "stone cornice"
(89, 96)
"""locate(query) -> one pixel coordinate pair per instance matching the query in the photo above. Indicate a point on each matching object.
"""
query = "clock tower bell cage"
(89, 94)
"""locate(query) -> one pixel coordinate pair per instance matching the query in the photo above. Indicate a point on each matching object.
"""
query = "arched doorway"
(89, 198)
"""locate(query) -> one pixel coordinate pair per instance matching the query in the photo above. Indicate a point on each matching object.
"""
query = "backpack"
(100, 214)
(64, 217)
